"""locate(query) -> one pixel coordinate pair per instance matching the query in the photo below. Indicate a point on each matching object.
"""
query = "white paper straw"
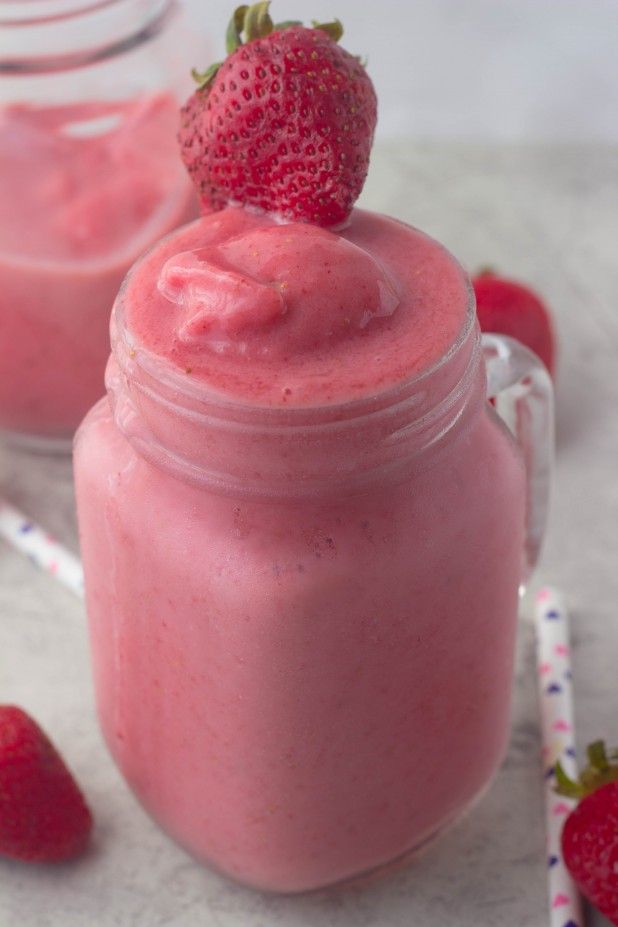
(558, 736)
(41, 548)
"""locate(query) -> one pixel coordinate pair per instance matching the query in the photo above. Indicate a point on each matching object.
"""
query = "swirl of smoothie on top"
(294, 313)
(263, 293)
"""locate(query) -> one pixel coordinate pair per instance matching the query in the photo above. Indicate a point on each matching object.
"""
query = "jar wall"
(89, 178)
(302, 691)
(112, 51)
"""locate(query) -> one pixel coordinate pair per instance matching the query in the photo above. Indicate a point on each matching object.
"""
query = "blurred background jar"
(89, 178)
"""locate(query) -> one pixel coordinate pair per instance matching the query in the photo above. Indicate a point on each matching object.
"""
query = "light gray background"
(511, 70)
(547, 215)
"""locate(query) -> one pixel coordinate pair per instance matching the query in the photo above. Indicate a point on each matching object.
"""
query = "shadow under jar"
(300, 615)
(89, 178)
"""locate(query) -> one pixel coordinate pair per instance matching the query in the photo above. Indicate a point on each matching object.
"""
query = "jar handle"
(523, 396)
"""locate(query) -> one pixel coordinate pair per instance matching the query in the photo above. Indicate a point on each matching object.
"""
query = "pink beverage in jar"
(89, 178)
(302, 528)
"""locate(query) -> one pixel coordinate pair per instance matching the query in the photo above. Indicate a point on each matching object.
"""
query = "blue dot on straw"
(550, 772)
(553, 689)
(553, 615)
(25, 527)
(553, 861)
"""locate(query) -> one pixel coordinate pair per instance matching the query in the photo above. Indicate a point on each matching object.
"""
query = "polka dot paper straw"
(41, 548)
(558, 735)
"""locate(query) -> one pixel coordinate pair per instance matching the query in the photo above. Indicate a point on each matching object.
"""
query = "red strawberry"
(590, 833)
(510, 308)
(43, 816)
(285, 124)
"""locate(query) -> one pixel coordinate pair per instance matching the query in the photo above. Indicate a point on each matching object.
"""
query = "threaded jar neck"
(201, 436)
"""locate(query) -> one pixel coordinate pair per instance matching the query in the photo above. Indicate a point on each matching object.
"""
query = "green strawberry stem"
(334, 29)
(599, 771)
(254, 22)
(235, 28)
(204, 78)
(597, 755)
(258, 23)
(567, 786)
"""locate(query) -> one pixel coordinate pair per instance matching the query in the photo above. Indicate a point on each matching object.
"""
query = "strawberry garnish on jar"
(285, 124)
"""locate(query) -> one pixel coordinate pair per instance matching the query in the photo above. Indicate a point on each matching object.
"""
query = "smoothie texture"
(294, 314)
(84, 189)
(285, 675)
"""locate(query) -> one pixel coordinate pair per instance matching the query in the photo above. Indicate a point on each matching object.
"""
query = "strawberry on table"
(510, 308)
(590, 833)
(284, 124)
(43, 815)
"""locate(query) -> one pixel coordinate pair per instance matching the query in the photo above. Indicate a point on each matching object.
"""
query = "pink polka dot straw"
(43, 550)
(554, 681)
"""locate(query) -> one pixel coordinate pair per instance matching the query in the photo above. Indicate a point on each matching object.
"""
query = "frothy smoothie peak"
(275, 289)
(296, 314)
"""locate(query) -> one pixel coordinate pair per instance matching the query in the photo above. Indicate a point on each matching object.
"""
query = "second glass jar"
(89, 177)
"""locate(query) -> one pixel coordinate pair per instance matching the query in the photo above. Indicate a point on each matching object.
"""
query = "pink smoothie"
(84, 189)
(295, 314)
(302, 533)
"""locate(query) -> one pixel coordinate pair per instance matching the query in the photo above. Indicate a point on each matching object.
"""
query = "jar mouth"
(202, 436)
(51, 36)
(129, 353)
(37, 12)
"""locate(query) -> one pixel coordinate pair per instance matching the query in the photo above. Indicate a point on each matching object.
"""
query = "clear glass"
(521, 388)
(89, 178)
(299, 617)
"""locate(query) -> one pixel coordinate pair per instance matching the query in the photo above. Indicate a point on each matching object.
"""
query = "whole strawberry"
(590, 833)
(510, 308)
(43, 816)
(284, 124)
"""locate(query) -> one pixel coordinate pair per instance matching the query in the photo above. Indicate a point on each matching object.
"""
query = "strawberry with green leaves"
(590, 833)
(285, 124)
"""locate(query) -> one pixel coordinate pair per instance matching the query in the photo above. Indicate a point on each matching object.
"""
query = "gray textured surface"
(548, 216)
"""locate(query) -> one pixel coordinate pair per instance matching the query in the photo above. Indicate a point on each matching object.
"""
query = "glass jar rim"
(114, 27)
(127, 350)
(40, 18)
(204, 436)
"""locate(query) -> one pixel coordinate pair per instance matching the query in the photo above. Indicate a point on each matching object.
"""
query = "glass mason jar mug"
(89, 177)
(300, 616)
